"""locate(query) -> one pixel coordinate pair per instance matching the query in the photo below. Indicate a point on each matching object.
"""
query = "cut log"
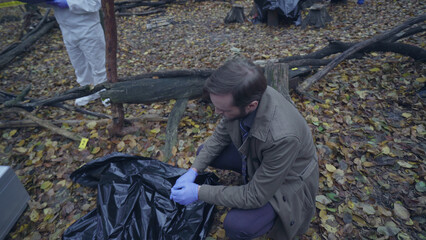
(154, 90)
(236, 15)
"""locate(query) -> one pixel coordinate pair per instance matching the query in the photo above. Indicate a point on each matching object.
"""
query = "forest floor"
(370, 130)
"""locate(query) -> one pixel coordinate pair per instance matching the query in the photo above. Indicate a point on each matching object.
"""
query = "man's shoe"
(106, 102)
(85, 100)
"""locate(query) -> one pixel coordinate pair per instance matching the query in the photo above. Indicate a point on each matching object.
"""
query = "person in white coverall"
(84, 40)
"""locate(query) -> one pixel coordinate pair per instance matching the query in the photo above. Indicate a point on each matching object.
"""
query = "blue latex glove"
(58, 3)
(186, 194)
(188, 177)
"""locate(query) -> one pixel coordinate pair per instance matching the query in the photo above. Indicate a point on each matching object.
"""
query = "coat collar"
(262, 121)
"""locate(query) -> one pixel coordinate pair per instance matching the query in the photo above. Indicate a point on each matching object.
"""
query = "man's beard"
(242, 114)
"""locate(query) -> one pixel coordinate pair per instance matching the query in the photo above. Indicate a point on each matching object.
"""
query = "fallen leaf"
(390, 229)
(420, 186)
(34, 216)
(322, 199)
(330, 167)
(400, 211)
(120, 146)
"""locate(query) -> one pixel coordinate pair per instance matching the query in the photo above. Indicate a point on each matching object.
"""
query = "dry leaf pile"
(370, 130)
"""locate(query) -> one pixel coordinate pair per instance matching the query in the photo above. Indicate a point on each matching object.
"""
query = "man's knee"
(236, 228)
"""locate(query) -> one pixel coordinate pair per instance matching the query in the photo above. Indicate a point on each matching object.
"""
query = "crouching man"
(263, 137)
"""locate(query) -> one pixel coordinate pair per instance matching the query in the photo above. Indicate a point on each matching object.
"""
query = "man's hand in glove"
(58, 3)
(188, 177)
(186, 194)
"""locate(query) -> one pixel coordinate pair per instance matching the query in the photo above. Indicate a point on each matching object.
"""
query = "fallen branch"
(146, 13)
(39, 25)
(355, 48)
(11, 53)
(29, 123)
(46, 124)
(172, 127)
(17, 103)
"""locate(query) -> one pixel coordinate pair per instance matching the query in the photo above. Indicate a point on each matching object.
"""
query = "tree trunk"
(111, 61)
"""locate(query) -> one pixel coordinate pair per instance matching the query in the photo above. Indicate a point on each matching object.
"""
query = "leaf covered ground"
(370, 130)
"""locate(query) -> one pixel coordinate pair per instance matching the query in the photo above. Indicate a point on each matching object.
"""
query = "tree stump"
(277, 76)
(317, 16)
(236, 15)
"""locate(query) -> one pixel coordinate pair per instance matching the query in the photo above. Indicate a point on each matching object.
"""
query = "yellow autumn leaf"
(155, 130)
(94, 135)
(120, 146)
(46, 185)
(320, 206)
(329, 228)
(406, 115)
(323, 214)
(361, 222)
(367, 164)
(21, 149)
(330, 167)
(62, 183)
(220, 233)
(421, 80)
(91, 124)
(11, 133)
(386, 150)
(374, 70)
(222, 218)
(34, 216)
(21, 143)
(95, 150)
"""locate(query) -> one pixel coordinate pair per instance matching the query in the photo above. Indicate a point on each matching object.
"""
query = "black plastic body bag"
(133, 201)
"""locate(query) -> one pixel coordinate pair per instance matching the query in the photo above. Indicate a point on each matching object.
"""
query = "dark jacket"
(282, 165)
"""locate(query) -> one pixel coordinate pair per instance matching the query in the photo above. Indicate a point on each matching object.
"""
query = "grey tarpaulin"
(287, 8)
(133, 201)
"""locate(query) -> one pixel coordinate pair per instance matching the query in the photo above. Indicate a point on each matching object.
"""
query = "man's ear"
(252, 106)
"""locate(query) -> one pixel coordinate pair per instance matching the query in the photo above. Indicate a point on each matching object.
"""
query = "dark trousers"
(243, 223)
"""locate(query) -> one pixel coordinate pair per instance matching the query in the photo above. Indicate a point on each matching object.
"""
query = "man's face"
(224, 105)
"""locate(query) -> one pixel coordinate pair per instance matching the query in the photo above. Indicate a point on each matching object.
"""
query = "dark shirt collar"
(248, 120)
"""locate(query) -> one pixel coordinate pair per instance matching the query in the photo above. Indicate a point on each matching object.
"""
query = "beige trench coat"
(282, 165)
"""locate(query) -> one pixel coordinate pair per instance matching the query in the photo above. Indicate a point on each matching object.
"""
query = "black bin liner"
(133, 201)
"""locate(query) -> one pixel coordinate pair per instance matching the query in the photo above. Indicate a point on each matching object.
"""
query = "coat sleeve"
(84, 6)
(212, 147)
(277, 160)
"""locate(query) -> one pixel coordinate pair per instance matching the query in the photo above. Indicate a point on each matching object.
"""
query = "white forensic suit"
(85, 42)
